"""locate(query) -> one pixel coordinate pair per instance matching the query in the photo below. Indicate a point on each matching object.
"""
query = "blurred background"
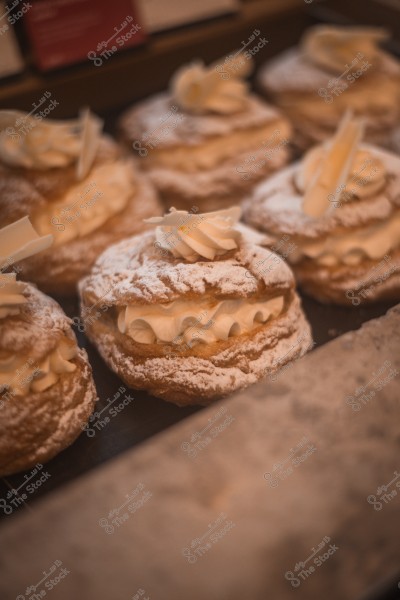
(108, 54)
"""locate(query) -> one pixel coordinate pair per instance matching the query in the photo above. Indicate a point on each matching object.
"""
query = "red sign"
(63, 32)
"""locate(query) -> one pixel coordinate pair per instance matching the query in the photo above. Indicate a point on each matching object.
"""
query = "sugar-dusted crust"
(275, 208)
(136, 271)
(215, 186)
(36, 427)
(58, 269)
(133, 272)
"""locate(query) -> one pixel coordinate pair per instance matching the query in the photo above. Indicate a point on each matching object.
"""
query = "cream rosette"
(332, 48)
(191, 236)
(218, 88)
(32, 143)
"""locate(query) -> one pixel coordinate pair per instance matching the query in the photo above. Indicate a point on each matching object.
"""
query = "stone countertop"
(275, 493)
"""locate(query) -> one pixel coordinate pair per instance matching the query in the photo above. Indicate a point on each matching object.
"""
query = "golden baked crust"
(58, 269)
(134, 272)
(37, 426)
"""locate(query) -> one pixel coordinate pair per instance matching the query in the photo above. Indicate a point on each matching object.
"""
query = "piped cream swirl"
(198, 89)
(19, 374)
(191, 236)
(89, 204)
(333, 48)
(193, 322)
(44, 144)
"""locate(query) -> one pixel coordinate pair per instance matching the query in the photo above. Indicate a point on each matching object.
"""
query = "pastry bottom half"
(206, 372)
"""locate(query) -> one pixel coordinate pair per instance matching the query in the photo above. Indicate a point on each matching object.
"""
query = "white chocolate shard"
(20, 240)
(91, 130)
(334, 168)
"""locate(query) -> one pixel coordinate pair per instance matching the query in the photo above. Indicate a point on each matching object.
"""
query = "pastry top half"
(340, 203)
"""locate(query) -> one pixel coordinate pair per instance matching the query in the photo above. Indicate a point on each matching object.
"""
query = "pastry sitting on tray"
(194, 310)
(340, 208)
(334, 69)
(46, 386)
(73, 183)
(208, 140)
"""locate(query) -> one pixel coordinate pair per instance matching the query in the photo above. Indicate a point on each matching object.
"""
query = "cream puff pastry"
(46, 388)
(340, 208)
(207, 141)
(73, 183)
(335, 69)
(193, 310)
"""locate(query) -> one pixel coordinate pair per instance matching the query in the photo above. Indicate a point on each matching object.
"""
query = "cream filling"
(19, 374)
(87, 205)
(215, 151)
(351, 248)
(381, 98)
(193, 322)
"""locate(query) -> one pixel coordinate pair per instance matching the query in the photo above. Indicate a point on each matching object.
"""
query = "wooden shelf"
(135, 73)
